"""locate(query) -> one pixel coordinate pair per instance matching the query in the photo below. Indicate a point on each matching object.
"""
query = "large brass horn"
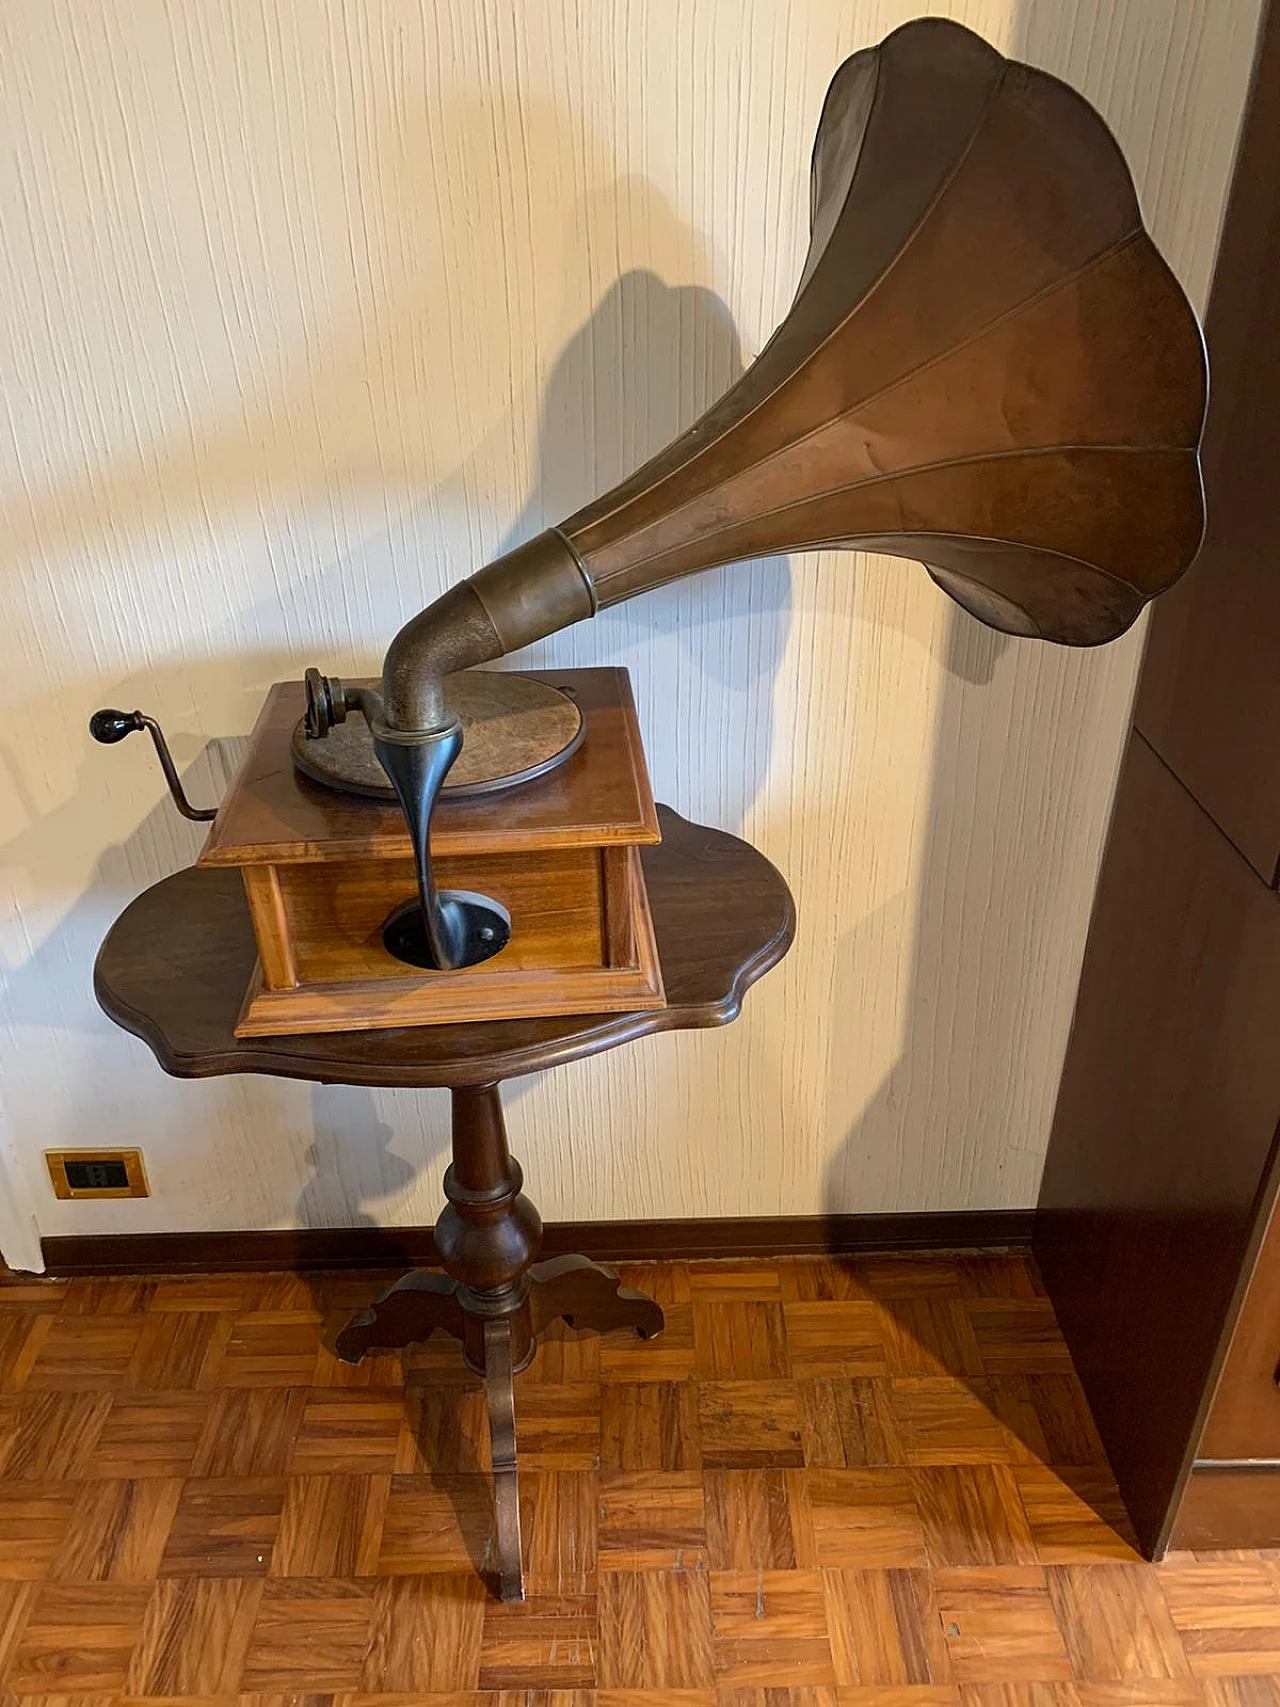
(987, 367)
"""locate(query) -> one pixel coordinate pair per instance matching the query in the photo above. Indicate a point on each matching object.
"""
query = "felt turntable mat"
(514, 729)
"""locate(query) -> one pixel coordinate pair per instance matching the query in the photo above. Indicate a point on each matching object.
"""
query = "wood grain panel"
(335, 911)
(249, 1432)
(425, 1635)
(601, 794)
(117, 1532)
(769, 1628)
(194, 1637)
(272, 926)
(310, 1634)
(1244, 1419)
(748, 1519)
(348, 982)
(1116, 1624)
(546, 1644)
(150, 1434)
(224, 1527)
(1225, 1506)
(330, 1526)
(1000, 1626)
(78, 1638)
(33, 1523)
(655, 1631)
(1173, 1077)
(885, 1631)
(1209, 698)
(1227, 1620)
(651, 1520)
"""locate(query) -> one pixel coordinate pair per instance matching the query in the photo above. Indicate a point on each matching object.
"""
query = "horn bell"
(987, 366)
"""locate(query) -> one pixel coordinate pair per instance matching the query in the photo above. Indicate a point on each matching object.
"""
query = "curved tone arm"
(987, 368)
(535, 590)
(442, 930)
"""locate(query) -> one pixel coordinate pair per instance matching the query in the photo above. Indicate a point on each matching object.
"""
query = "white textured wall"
(309, 309)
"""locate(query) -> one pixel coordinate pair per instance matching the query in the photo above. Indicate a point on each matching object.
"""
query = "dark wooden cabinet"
(1232, 1496)
(1244, 1419)
(1209, 697)
(1156, 1230)
(1159, 1166)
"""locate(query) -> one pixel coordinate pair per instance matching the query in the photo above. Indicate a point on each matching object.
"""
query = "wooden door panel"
(1163, 1127)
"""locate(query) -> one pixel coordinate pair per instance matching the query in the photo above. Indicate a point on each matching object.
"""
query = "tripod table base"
(501, 1325)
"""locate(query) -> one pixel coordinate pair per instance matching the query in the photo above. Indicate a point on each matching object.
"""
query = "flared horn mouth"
(988, 367)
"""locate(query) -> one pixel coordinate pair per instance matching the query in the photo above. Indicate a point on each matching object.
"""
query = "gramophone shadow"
(704, 651)
(184, 1127)
(648, 361)
(36, 997)
(350, 1142)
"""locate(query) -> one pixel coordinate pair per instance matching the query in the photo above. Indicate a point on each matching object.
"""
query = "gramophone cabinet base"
(582, 942)
(323, 870)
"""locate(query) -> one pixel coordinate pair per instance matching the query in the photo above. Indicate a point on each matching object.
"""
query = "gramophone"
(987, 368)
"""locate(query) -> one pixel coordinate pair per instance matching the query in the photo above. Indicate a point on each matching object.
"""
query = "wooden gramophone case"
(322, 870)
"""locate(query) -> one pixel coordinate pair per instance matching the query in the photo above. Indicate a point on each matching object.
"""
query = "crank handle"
(110, 726)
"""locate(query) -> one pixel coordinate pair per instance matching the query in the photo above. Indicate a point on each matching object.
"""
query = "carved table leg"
(492, 1297)
(500, 1390)
(588, 1295)
(405, 1313)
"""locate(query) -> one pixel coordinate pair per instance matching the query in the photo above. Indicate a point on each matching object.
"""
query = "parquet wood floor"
(864, 1484)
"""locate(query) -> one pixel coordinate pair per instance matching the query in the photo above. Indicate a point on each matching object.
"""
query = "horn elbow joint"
(451, 634)
(535, 590)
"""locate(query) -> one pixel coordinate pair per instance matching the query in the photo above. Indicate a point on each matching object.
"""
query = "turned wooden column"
(492, 1296)
(488, 1235)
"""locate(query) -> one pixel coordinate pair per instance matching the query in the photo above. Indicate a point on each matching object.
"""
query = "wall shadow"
(350, 1143)
(618, 393)
(92, 1101)
(648, 360)
(1032, 884)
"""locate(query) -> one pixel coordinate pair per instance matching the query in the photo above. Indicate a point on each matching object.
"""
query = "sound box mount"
(514, 730)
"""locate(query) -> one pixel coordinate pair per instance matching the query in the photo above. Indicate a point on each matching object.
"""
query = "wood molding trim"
(605, 1241)
(1229, 1505)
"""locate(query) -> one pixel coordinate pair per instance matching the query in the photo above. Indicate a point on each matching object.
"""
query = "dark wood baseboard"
(1229, 1505)
(605, 1241)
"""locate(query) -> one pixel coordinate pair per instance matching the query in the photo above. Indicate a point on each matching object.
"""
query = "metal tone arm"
(442, 930)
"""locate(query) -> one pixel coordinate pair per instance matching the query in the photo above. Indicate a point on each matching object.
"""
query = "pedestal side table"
(174, 969)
